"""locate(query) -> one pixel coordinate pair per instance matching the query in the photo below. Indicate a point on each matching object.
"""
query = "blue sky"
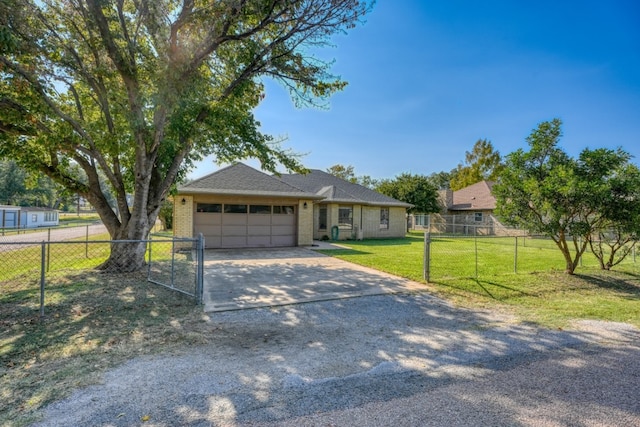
(427, 79)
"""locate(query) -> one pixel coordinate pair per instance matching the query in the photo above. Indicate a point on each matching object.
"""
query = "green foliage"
(348, 174)
(343, 172)
(415, 189)
(137, 91)
(569, 200)
(166, 215)
(481, 163)
(441, 180)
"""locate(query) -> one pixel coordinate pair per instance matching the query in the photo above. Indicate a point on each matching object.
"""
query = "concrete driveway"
(250, 278)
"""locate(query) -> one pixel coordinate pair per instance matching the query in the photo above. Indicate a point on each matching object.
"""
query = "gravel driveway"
(401, 360)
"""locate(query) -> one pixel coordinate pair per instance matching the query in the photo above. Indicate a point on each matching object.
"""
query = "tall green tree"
(12, 183)
(483, 162)
(546, 191)
(348, 174)
(140, 89)
(415, 189)
(343, 172)
(619, 201)
(441, 180)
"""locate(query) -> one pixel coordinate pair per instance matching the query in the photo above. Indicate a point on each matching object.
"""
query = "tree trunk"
(129, 246)
(125, 257)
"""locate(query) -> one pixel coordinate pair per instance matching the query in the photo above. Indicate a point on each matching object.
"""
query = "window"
(260, 209)
(283, 210)
(50, 216)
(345, 217)
(240, 209)
(209, 207)
(478, 217)
(384, 218)
(34, 217)
(322, 218)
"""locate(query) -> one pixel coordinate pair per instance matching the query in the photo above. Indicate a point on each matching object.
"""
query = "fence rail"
(474, 257)
(174, 263)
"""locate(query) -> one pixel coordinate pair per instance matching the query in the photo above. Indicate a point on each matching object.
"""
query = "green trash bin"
(335, 232)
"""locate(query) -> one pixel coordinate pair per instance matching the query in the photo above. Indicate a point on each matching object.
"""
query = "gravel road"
(401, 360)
(54, 235)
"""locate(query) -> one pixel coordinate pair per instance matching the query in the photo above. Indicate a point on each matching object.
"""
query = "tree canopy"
(545, 191)
(137, 90)
(483, 162)
(415, 189)
(348, 174)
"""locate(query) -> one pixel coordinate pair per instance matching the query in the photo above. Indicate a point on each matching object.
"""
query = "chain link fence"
(174, 263)
(475, 256)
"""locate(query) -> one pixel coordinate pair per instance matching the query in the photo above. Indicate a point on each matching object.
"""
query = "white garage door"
(245, 226)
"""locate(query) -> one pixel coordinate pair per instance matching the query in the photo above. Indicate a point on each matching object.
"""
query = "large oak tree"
(138, 90)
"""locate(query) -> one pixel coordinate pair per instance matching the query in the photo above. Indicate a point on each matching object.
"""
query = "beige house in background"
(468, 211)
(472, 205)
(241, 207)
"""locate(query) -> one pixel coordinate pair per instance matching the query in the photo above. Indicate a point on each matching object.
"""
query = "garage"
(246, 225)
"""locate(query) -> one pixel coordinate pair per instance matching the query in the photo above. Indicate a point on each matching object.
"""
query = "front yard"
(96, 321)
(539, 292)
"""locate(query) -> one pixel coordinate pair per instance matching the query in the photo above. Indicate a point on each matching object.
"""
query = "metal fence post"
(149, 265)
(173, 261)
(426, 262)
(199, 268)
(475, 241)
(515, 257)
(86, 243)
(48, 248)
(42, 275)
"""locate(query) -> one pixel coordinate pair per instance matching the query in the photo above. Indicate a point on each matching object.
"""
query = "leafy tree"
(140, 89)
(481, 163)
(166, 215)
(415, 189)
(12, 183)
(441, 180)
(620, 208)
(546, 191)
(343, 172)
(348, 174)
(19, 187)
(367, 181)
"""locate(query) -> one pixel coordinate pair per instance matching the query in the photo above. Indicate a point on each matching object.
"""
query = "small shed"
(27, 217)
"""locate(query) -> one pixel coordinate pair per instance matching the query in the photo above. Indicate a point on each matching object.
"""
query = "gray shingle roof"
(337, 190)
(240, 179)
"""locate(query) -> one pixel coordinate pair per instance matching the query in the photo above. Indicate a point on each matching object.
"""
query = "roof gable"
(477, 196)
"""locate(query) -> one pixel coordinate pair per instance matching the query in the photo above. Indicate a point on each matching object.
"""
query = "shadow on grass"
(92, 321)
(617, 284)
(471, 285)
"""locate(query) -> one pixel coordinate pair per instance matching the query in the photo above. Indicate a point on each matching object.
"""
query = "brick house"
(468, 211)
(239, 206)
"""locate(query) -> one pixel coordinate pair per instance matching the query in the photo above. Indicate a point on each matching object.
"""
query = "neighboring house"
(239, 206)
(471, 205)
(466, 211)
(27, 217)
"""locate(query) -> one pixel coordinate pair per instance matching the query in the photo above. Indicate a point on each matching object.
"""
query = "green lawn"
(538, 292)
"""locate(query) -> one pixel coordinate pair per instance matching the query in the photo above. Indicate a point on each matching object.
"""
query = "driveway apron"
(250, 278)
